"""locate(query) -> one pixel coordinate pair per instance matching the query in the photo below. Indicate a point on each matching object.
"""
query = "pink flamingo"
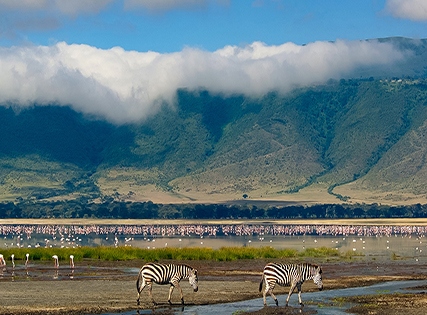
(27, 260)
(72, 261)
(55, 257)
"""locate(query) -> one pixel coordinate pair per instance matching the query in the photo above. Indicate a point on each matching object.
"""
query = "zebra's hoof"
(137, 302)
(169, 301)
(277, 302)
(286, 304)
(302, 304)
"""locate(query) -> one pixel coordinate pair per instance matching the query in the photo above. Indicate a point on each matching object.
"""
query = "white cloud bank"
(408, 9)
(127, 86)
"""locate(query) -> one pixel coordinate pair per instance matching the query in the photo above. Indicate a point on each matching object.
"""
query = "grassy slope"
(362, 135)
(399, 173)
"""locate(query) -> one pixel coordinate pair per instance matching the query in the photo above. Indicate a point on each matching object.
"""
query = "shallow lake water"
(43, 271)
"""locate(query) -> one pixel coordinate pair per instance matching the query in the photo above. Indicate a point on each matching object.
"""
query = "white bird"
(27, 259)
(72, 261)
(55, 257)
(12, 257)
(2, 261)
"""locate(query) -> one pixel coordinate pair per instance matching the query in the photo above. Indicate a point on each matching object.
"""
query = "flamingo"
(27, 259)
(12, 257)
(55, 257)
(72, 261)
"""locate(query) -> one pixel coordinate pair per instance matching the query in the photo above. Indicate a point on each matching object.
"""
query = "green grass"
(169, 253)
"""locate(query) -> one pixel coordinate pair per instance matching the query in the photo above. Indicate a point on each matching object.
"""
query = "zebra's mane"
(300, 265)
(309, 266)
(312, 268)
(187, 266)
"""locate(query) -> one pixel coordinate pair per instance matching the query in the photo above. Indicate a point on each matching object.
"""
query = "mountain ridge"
(352, 140)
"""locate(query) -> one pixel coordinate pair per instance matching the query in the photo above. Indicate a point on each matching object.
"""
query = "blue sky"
(171, 25)
(121, 60)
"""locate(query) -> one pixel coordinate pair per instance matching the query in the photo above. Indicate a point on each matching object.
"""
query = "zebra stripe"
(165, 274)
(289, 274)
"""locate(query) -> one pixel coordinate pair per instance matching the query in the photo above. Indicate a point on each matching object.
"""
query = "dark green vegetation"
(132, 253)
(370, 133)
(148, 210)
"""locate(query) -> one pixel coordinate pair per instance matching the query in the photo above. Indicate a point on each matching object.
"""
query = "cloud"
(167, 5)
(42, 15)
(163, 5)
(128, 86)
(408, 9)
(65, 7)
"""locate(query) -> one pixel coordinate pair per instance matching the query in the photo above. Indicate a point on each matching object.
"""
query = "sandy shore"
(102, 292)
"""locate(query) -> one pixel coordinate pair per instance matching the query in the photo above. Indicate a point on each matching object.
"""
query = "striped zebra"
(165, 274)
(289, 274)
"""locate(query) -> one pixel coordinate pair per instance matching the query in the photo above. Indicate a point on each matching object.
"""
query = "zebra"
(289, 274)
(165, 274)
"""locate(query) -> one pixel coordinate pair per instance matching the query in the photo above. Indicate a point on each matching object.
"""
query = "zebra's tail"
(261, 282)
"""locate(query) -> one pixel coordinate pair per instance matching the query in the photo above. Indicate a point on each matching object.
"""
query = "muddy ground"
(101, 287)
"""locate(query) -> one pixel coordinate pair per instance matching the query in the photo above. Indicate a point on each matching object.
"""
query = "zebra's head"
(317, 277)
(193, 279)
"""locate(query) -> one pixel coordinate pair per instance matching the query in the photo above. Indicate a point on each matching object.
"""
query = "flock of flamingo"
(27, 261)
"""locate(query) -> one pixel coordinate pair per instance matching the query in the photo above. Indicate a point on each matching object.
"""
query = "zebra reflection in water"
(289, 274)
(165, 274)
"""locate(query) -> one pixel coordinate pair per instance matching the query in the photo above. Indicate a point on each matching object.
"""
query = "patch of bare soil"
(101, 287)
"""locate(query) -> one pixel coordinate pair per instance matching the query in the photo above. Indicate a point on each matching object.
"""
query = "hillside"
(353, 140)
(351, 137)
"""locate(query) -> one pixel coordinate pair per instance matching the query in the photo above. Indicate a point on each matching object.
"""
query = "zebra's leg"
(291, 290)
(137, 300)
(299, 294)
(150, 293)
(264, 293)
(140, 288)
(274, 297)
(180, 291)
(269, 288)
(170, 293)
